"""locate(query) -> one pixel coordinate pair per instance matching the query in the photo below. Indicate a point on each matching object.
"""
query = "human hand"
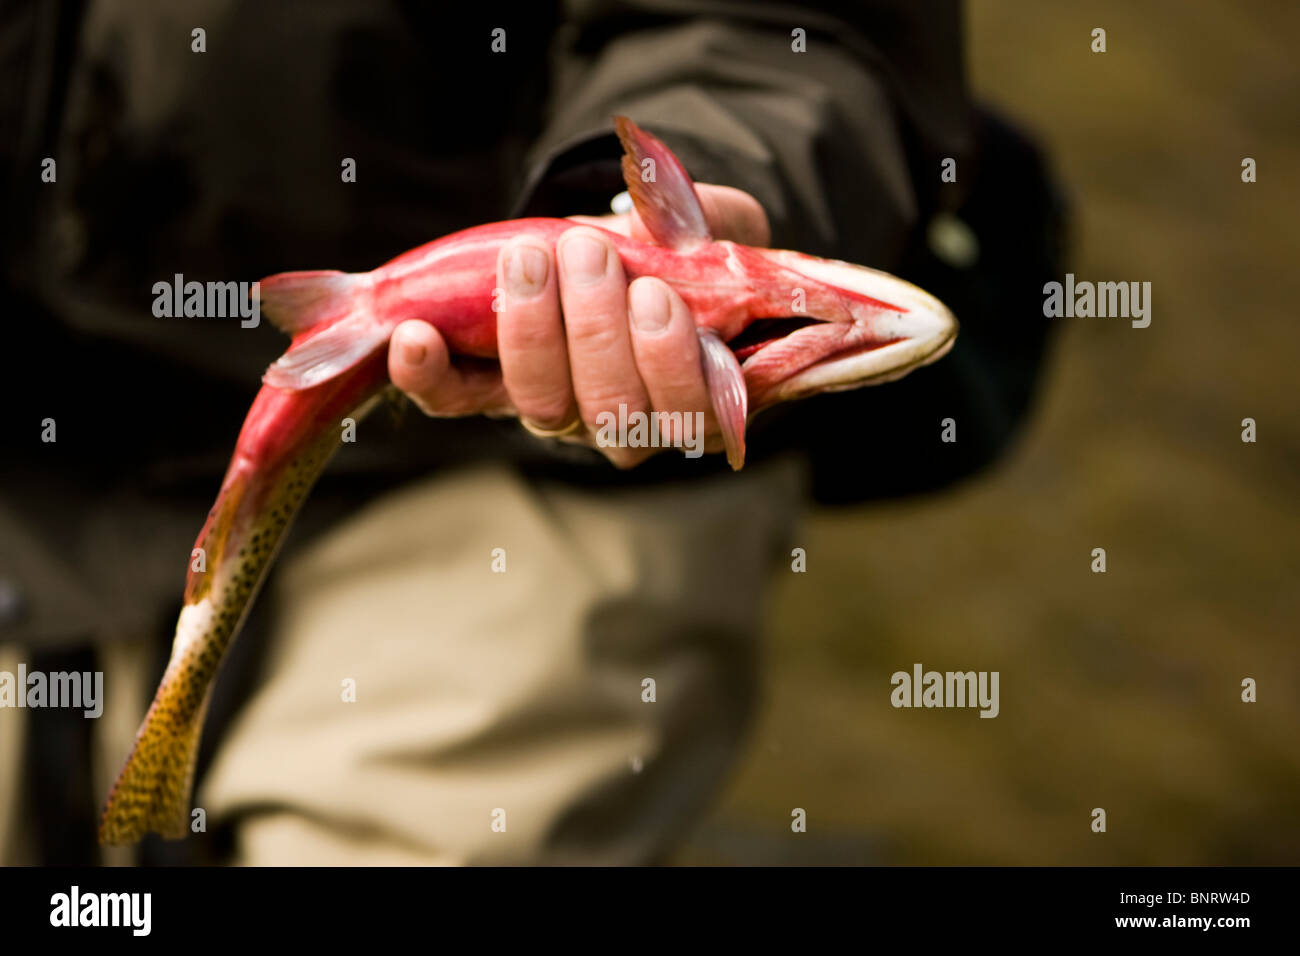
(577, 340)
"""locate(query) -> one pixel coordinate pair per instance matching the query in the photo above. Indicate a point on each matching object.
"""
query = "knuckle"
(548, 409)
(595, 329)
(607, 397)
(530, 330)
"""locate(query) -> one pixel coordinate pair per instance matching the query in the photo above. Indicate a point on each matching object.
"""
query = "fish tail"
(153, 788)
(152, 792)
(234, 550)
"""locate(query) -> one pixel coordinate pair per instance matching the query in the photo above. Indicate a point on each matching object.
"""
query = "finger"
(734, 214)
(593, 293)
(420, 365)
(667, 353)
(530, 335)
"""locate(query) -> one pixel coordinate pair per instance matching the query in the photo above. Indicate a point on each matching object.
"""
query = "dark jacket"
(225, 165)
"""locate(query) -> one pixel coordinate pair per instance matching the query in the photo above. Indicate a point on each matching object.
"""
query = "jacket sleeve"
(837, 118)
(819, 114)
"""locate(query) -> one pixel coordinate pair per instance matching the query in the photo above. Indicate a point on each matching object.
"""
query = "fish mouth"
(862, 327)
(763, 332)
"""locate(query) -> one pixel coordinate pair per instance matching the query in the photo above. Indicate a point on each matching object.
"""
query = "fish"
(773, 325)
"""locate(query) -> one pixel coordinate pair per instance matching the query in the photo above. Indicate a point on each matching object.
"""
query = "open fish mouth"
(763, 332)
(862, 327)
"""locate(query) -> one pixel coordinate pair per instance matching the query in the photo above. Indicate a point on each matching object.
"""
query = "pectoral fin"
(727, 393)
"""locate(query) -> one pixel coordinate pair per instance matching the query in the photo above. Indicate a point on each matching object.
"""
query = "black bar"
(473, 906)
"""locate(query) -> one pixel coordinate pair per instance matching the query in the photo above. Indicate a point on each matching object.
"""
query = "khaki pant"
(504, 716)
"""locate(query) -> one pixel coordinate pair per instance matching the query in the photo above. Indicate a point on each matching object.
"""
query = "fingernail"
(648, 304)
(584, 259)
(525, 269)
(413, 353)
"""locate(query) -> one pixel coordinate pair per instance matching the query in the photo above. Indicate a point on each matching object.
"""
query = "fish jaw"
(842, 326)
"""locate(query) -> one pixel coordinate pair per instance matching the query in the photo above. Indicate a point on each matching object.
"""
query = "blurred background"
(1119, 690)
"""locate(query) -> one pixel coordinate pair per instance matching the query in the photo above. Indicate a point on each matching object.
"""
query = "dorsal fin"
(661, 189)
